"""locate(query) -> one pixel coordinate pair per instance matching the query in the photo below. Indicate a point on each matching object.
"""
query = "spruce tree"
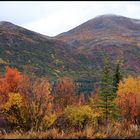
(117, 75)
(107, 95)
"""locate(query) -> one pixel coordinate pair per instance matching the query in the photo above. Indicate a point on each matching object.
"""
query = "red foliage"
(9, 83)
(64, 94)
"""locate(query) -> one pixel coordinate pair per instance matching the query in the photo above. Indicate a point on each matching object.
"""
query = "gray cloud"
(52, 18)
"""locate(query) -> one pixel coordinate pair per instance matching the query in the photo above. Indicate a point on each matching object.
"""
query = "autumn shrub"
(13, 111)
(38, 100)
(48, 121)
(128, 99)
(64, 94)
(9, 83)
(26, 109)
(12, 78)
(79, 117)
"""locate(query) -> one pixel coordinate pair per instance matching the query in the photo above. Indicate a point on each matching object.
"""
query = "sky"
(54, 17)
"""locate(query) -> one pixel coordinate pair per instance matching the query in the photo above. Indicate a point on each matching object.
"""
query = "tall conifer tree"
(117, 76)
(107, 94)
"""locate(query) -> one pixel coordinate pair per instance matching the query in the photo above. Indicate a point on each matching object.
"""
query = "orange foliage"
(9, 83)
(12, 78)
(128, 98)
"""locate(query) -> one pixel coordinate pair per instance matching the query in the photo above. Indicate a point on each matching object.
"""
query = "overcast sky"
(52, 18)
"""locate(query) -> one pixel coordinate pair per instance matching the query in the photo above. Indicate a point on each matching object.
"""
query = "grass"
(113, 132)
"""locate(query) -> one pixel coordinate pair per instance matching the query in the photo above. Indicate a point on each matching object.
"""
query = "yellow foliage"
(49, 120)
(15, 99)
(77, 116)
(129, 85)
(13, 110)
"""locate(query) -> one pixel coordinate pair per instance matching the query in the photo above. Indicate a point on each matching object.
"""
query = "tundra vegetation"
(34, 107)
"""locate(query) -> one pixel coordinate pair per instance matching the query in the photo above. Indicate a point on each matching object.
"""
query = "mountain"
(46, 56)
(78, 53)
(112, 35)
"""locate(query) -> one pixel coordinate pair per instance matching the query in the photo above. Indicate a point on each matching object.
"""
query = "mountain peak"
(9, 25)
(107, 22)
(115, 18)
(107, 15)
(110, 18)
(3, 23)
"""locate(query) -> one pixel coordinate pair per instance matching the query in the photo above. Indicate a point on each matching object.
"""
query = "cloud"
(59, 20)
(52, 18)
